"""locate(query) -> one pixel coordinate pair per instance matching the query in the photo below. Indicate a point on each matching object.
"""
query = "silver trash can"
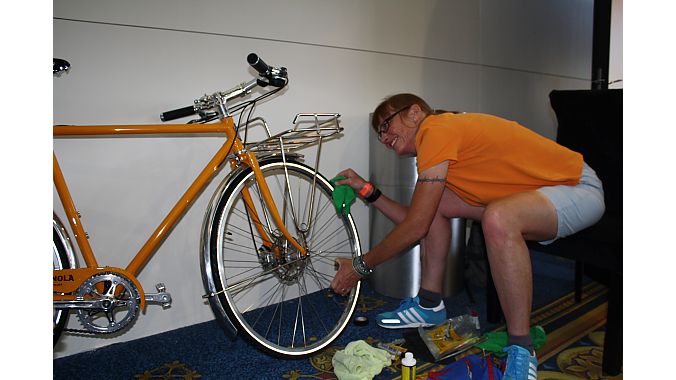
(400, 276)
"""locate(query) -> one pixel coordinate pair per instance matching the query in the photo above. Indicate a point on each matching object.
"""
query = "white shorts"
(577, 207)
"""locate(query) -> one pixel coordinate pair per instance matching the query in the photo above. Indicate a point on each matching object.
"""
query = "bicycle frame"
(252, 266)
(239, 157)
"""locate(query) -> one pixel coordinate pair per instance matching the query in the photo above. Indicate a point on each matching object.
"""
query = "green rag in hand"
(343, 196)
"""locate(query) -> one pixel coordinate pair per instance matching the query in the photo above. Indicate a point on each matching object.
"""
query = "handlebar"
(258, 64)
(276, 77)
(60, 66)
(178, 113)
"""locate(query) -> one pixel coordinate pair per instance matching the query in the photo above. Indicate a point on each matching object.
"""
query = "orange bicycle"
(269, 239)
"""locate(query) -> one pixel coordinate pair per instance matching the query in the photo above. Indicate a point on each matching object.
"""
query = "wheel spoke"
(279, 298)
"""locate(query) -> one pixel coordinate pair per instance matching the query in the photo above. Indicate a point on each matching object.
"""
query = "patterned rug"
(575, 332)
(573, 349)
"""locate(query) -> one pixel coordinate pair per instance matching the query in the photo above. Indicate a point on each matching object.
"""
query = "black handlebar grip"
(257, 63)
(178, 113)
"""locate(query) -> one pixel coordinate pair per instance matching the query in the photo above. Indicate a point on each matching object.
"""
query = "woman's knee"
(522, 216)
(497, 223)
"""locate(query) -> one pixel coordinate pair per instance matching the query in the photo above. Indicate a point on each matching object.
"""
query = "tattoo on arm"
(435, 179)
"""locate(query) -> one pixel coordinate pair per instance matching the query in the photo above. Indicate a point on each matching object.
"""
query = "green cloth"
(359, 361)
(343, 196)
(496, 341)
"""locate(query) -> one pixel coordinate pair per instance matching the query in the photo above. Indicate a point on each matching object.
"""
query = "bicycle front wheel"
(279, 298)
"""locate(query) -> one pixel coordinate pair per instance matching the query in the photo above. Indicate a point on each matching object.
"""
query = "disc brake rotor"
(118, 299)
(283, 260)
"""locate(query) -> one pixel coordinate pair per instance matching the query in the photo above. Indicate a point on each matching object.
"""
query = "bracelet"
(367, 189)
(360, 267)
(374, 196)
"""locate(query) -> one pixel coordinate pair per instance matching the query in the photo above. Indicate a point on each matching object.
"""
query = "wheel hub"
(290, 265)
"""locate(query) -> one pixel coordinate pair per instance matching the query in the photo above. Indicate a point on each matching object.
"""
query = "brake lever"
(205, 117)
(274, 77)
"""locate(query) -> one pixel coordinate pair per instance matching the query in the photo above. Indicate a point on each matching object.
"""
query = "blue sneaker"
(521, 365)
(411, 314)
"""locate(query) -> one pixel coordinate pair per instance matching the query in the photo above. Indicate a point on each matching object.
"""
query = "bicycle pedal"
(161, 297)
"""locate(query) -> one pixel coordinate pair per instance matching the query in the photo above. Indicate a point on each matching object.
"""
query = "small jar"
(408, 367)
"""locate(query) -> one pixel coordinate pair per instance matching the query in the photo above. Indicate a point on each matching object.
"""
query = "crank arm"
(79, 304)
(161, 298)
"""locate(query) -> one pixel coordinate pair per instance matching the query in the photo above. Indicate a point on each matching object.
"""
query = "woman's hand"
(352, 179)
(346, 278)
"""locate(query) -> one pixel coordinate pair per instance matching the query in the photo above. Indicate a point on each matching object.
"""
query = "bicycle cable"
(252, 105)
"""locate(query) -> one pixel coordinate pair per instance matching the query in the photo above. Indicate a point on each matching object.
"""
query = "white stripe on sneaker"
(417, 316)
(403, 317)
(411, 317)
(532, 371)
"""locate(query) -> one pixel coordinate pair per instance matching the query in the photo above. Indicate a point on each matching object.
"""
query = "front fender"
(205, 244)
(205, 262)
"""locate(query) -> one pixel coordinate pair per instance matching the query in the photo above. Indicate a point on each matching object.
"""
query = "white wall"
(134, 59)
(616, 51)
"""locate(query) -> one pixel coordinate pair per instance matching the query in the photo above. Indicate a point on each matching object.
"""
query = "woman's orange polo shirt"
(490, 157)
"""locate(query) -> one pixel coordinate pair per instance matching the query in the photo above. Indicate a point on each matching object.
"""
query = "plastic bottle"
(408, 367)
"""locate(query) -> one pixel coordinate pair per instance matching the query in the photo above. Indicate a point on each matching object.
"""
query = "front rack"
(309, 129)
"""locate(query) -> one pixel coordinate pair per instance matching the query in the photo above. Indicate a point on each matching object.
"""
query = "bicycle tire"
(60, 259)
(259, 308)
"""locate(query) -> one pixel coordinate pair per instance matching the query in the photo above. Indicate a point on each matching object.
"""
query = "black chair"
(590, 122)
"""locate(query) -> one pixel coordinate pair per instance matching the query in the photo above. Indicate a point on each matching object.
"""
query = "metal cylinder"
(454, 281)
(400, 276)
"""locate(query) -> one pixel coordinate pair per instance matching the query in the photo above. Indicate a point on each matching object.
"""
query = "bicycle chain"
(78, 331)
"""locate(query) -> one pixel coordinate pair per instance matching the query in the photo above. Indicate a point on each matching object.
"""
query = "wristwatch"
(360, 267)
(375, 194)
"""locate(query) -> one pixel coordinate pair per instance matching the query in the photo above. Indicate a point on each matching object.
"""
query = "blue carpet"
(203, 351)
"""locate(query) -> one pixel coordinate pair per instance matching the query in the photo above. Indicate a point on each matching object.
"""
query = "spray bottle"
(408, 367)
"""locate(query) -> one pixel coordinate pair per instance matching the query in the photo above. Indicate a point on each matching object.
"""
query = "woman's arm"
(426, 197)
(392, 209)
(413, 227)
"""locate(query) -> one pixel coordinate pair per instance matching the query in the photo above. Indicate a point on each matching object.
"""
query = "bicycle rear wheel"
(60, 258)
(279, 299)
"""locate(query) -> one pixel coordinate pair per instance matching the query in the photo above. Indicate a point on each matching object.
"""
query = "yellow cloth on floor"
(359, 361)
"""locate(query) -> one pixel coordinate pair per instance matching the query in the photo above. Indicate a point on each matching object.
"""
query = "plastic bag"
(451, 337)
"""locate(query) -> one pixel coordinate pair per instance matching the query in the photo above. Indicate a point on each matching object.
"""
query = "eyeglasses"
(385, 125)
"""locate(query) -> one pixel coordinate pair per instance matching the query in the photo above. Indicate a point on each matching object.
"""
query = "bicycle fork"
(250, 160)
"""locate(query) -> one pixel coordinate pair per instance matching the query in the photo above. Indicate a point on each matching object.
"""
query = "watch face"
(360, 266)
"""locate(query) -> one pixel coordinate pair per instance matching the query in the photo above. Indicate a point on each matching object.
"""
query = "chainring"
(119, 303)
